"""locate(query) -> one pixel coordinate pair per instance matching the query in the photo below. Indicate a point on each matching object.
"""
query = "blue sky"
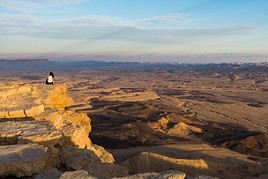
(132, 27)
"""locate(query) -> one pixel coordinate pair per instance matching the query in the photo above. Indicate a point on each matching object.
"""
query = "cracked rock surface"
(19, 132)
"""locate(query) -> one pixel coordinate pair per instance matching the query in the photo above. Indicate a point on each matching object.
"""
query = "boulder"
(22, 160)
(82, 159)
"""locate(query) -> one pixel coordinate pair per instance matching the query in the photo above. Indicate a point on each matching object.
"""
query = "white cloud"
(178, 17)
(143, 23)
(105, 27)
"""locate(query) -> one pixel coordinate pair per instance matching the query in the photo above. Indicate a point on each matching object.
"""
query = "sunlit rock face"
(76, 128)
(38, 134)
(58, 98)
(20, 100)
(164, 125)
(43, 136)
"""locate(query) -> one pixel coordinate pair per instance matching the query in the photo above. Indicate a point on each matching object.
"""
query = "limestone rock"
(23, 112)
(164, 125)
(76, 128)
(82, 159)
(58, 98)
(35, 111)
(30, 131)
(18, 101)
(22, 160)
(16, 114)
(152, 162)
(183, 129)
(4, 114)
(160, 125)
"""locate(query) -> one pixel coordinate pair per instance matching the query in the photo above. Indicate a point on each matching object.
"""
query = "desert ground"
(200, 123)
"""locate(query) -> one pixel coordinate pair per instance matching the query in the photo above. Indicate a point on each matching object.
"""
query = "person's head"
(51, 74)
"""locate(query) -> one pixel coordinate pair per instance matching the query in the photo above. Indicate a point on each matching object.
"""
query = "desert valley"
(108, 120)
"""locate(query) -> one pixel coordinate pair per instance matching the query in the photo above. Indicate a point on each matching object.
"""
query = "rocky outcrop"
(183, 129)
(21, 113)
(82, 159)
(22, 160)
(18, 101)
(152, 162)
(41, 138)
(46, 122)
(76, 128)
(34, 111)
(160, 125)
(29, 131)
(164, 125)
(58, 98)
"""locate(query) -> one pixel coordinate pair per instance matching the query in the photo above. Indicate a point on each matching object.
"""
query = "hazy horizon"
(124, 30)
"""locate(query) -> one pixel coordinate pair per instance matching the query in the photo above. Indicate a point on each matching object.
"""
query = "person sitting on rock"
(50, 79)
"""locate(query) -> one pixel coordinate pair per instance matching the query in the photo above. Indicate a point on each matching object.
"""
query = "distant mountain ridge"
(44, 65)
(24, 60)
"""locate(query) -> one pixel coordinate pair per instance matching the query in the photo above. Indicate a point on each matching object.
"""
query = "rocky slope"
(35, 140)
(42, 138)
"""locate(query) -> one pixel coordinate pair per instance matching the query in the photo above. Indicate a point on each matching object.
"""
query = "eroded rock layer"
(42, 134)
